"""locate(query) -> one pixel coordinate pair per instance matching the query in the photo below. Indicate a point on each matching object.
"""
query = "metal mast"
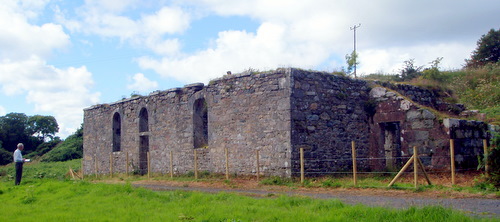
(355, 55)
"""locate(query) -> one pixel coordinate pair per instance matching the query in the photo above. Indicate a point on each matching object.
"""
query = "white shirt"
(18, 157)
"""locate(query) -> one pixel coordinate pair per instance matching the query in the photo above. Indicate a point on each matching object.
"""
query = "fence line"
(303, 162)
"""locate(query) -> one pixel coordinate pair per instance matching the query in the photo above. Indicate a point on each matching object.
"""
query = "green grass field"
(46, 195)
(55, 200)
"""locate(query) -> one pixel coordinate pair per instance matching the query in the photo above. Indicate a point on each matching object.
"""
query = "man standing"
(19, 161)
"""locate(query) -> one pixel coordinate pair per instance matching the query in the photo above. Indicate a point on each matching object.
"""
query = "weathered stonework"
(400, 124)
(277, 113)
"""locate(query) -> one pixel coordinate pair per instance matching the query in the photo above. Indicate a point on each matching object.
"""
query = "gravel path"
(473, 206)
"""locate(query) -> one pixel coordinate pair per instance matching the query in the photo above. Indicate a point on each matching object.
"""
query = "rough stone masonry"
(276, 113)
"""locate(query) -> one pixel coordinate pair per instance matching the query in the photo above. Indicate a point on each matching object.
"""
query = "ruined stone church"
(278, 112)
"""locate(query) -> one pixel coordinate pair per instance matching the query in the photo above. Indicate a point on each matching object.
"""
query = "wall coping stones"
(177, 89)
(195, 86)
(155, 92)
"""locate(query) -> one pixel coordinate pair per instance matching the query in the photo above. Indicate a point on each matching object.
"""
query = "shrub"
(494, 161)
(479, 88)
(5, 156)
(44, 148)
(71, 148)
(275, 180)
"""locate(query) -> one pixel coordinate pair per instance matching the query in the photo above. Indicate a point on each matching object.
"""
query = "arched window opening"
(143, 120)
(117, 132)
(200, 123)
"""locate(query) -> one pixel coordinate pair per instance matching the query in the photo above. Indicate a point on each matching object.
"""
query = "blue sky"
(58, 57)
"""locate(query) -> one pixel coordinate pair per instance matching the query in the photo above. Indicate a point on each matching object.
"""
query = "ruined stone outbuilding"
(277, 113)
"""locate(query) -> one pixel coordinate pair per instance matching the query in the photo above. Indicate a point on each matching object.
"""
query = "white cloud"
(307, 34)
(20, 39)
(112, 5)
(391, 59)
(166, 20)
(25, 47)
(269, 47)
(3, 111)
(148, 30)
(62, 92)
(142, 84)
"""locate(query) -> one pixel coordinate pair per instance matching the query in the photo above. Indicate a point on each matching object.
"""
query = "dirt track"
(467, 203)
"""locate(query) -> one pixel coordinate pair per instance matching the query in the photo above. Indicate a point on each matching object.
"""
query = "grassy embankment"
(45, 195)
(477, 89)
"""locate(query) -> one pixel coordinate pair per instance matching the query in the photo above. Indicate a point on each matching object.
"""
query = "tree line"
(37, 133)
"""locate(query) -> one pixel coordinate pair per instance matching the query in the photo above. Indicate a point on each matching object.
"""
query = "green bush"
(275, 180)
(479, 88)
(5, 156)
(44, 148)
(71, 148)
(494, 161)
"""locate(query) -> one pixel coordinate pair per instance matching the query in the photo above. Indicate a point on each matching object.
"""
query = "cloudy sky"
(58, 57)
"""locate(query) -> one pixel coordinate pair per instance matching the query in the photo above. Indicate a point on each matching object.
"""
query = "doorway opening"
(143, 154)
(391, 139)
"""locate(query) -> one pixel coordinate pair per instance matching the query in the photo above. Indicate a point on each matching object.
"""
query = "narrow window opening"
(143, 120)
(200, 123)
(117, 132)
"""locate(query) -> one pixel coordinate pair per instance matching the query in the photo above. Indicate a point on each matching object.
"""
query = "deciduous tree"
(487, 50)
(43, 127)
(352, 60)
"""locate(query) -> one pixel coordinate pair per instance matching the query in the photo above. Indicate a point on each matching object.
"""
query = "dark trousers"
(19, 172)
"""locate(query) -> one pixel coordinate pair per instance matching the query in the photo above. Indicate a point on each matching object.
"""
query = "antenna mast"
(355, 55)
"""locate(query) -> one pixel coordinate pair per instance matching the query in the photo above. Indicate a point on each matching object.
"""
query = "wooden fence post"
(149, 166)
(95, 165)
(452, 157)
(83, 159)
(171, 165)
(423, 170)
(195, 165)
(126, 163)
(354, 165)
(302, 165)
(415, 166)
(402, 170)
(227, 163)
(258, 164)
(111, 165)
(486, 157)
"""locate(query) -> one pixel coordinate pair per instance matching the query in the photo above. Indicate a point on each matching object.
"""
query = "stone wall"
(328, 112)
(417, 127)
(169, 129)
(250, 112)
(426, 97)
(246, 112)
(420, 127)
(468, 139)
(276, 113)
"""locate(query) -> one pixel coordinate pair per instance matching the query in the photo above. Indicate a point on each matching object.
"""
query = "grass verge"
(55, 200)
